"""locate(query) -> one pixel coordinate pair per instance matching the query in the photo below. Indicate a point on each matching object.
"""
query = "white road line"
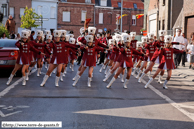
(174, 104)
(6, 90)
(5, 115)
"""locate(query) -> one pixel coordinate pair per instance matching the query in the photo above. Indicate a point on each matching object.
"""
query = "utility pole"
(121, 15)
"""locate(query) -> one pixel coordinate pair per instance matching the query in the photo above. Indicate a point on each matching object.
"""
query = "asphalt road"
(81, 107)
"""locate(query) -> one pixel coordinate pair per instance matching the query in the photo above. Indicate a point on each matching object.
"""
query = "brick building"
(71, 15)
(16, 9)
(4, 10)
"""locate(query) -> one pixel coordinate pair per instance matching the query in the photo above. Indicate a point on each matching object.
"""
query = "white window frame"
(100, 30)
(53, 12)
(22, 10)
(83, 15)
(100, 18)
(103, 2)
(4, 9)
(66, 18)
(133, 20)
(12, 11)
(88, 1)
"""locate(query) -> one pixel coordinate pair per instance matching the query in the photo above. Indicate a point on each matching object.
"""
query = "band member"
(48, 56)
(143, 50)
(126, 62)
(23, 58)
(150, 51)
(72, 53)
(166, 62)
(89, 60)
(133, 41)
(57, 59)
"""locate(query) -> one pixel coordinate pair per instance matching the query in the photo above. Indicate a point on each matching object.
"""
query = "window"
(83, 15)
(135, 6)
(11, 11)
(119, 4)
(100, 30)
(66, 16)
(159, 25)
(103, 3)
(163, 24)
(63, 0)
(21, 12)
(100, 18)
(163, 2)
(88, 1)
(133, 20)
(53, 10)
(4, 9)
(39, 10)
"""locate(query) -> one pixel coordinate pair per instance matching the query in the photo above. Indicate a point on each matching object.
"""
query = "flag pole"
(121, 15)
(85, 22)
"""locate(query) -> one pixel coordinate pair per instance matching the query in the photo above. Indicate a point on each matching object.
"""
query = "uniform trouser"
(183, 57)
(102, 56)
(176, 59)
(80, 57)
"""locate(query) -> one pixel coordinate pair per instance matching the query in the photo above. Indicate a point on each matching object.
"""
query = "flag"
(119, 17)
(139, 16)
(87, 21)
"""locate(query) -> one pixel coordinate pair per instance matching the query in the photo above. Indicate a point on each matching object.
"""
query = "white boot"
(89, 82)
(104, 67)
(125, 84)
(107, 69)
(138, 74)
(76, 76)
(27, 78)
(44, 80)
(142, 76)
(61, 77)
(146, 86)
(30, 68)
(160, 79)
(164, 85)
(119, 76)
(122, 77)
(35, 66)
(76, 80)
(38, 72)
(149, 74)
(101, 68)
(134, 71)
(116, 71)
(24, 81)
(65, 70)
(108, 72)
(63, 74)
(57, 81)
(10, 79)
(106, 78)
(110, 83)
(72, 68)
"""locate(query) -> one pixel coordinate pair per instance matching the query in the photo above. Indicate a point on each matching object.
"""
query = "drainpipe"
(171, 15)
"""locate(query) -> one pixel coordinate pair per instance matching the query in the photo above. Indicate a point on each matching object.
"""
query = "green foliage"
(142, 30)
(3, 30)
(29, 17)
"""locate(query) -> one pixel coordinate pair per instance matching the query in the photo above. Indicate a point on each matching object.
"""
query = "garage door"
(190, 26)
(152, 28)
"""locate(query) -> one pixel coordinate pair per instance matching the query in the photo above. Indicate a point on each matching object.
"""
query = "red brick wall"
(153, 4)
(128, 3)
(75, 16)
(17, 4)
(80, 1)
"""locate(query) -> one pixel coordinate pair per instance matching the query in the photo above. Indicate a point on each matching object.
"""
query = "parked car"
(8, 53)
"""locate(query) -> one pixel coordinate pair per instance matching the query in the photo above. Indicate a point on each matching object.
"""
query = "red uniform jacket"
(127, 57)
(115, 53)
(90, 55)
(133, 44)
(58, 52)
(41, 47)
(167, 59)
(150, 50)
(24, 52)
(119, 58)
(49, 48)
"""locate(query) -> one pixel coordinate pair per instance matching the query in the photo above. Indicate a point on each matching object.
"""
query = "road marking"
(5, 115)
(6, 90)
(174, 104)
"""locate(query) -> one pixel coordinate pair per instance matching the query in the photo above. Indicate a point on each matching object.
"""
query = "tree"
(4, 30)
(29, 17)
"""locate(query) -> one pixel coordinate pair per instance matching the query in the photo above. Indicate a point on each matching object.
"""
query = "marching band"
(123, 54)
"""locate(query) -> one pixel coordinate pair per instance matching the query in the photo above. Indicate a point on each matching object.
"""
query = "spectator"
(180, 39)
(18, 36)
(189, 49)
(31, 36)
(184, 47)
(3, 36)
(12, 36)
(10, 24)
